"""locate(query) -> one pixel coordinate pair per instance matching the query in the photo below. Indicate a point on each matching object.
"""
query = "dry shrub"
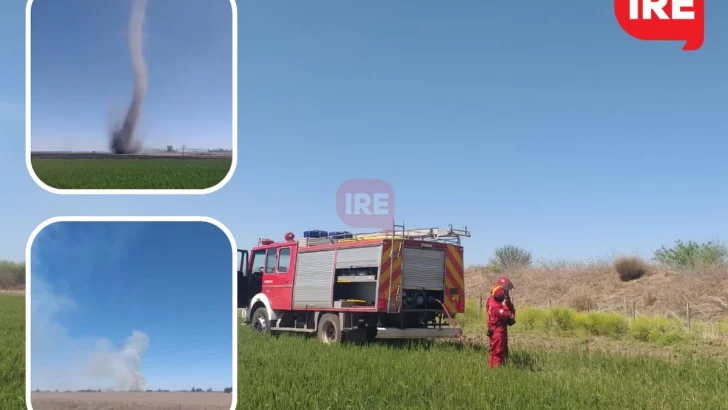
(630, 268)
(650, 299)
(582, 300)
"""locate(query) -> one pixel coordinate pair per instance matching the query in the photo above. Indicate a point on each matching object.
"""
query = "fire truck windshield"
(258, 261)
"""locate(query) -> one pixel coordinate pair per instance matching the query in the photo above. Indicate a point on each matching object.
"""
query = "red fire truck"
(398, 284)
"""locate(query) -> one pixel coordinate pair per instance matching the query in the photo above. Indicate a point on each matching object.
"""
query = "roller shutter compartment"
(360, 257)
(423, 268)
(314, 274)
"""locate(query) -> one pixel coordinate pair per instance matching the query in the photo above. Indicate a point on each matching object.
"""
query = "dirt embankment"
(661, 291)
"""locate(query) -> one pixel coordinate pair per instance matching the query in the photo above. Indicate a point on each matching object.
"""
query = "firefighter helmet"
(497, 291)
(505, 283)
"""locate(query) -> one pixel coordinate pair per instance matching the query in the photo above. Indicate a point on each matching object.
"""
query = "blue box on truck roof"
(315, 234)
(340, 235)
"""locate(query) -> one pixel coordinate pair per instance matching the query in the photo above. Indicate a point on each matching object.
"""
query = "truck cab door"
(278, 276)
(255, 271)
(244, 295)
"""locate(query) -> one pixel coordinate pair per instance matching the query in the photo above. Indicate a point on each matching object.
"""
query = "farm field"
(546, 371)
(12, 351)
(561, 358)
(135, 172)
(557, 367)
(137, 401)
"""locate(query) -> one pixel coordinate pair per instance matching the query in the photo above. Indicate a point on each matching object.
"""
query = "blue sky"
(548, 129)
(94, 283)
(82, 73)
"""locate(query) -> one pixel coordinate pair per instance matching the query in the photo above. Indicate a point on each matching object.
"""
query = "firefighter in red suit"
(500, 316)
(508, 286)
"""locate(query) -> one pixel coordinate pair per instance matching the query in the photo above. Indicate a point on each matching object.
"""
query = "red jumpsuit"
(498, 316)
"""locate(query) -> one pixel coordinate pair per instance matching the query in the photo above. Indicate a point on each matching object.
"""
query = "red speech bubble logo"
(663, 20)
(366, 203)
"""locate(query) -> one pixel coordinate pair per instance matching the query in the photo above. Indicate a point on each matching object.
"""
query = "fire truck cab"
(398, 284)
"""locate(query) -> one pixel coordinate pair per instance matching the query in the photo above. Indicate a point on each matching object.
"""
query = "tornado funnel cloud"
(123, 139)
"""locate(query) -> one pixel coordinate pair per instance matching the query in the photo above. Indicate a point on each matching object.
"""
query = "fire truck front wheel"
(259, 321)
(329, 328)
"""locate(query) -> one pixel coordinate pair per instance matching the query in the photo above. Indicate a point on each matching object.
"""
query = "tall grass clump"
(582, 300)
(561, 321)
(630, 268)
(565, 321)
(659, 330)
(723, 325)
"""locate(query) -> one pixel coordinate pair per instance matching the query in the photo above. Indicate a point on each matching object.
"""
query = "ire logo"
(366, 203)
(663, 20)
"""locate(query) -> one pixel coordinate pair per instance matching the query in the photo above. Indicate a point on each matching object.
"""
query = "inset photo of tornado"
(132, 96)
(131, 314)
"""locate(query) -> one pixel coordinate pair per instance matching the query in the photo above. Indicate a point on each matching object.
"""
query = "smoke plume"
(121, 365)
(123, 139)
(63, 362)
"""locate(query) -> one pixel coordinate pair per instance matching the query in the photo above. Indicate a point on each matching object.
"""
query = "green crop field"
(298, 372)
(153, 173)
(445, 375)
(12, 352)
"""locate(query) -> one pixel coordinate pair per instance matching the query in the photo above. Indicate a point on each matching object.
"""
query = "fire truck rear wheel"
(329, 328)
(259, 321)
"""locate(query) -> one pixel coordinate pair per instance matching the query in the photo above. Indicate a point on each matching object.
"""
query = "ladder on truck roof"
(445, 235)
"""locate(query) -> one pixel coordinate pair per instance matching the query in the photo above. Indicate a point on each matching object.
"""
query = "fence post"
(688, 312)
(480, 304)
(549, 303)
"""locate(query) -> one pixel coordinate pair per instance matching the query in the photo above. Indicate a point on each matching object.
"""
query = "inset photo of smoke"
(131, 315)
(133, 96)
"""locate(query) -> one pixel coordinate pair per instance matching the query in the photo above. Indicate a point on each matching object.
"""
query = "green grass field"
(12, 352)
(297, 372)
(131, 173)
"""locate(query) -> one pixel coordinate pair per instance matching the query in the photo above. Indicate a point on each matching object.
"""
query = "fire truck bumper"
(394, 333)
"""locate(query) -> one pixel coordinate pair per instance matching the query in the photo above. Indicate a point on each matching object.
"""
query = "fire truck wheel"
(260, 320)
(329, 328)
